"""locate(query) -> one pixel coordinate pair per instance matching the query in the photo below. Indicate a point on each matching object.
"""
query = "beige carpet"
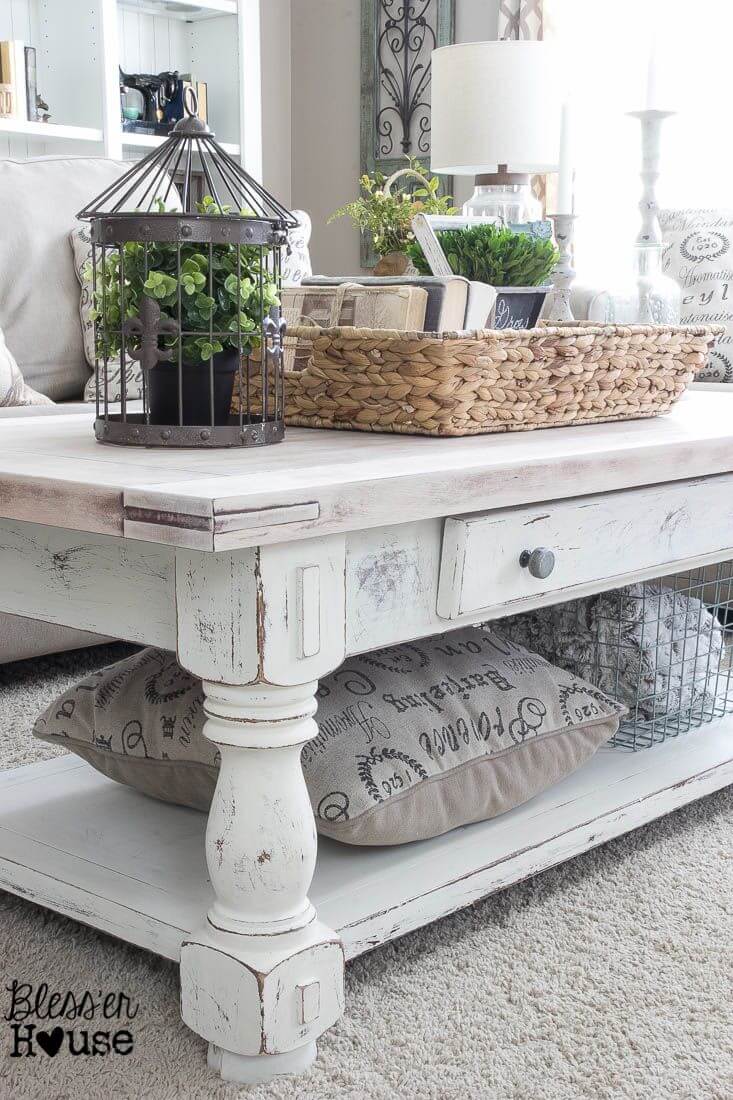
(609, 978)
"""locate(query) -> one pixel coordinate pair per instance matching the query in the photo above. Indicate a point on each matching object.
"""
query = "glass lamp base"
(510, 203)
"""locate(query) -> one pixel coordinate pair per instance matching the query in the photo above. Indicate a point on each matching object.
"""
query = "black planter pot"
(518, 306)
(163, 390)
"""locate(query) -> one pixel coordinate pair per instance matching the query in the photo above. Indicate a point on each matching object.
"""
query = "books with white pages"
(349, 304)
(447, 295)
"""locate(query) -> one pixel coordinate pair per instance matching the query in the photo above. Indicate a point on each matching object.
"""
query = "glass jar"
(647, 297)
(504, 195)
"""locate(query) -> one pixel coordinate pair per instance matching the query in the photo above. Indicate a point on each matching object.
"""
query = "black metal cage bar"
(186, 297)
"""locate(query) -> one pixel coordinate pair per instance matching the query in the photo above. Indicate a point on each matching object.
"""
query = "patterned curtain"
(522, 19)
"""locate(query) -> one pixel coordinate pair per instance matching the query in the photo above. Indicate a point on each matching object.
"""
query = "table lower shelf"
(86, 847)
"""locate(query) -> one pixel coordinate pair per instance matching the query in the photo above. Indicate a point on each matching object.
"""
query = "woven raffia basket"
(466, 383)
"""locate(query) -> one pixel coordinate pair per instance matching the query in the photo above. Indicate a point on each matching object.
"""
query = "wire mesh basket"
(664, 648)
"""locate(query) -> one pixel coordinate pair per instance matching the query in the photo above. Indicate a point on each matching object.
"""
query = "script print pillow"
(417, 739)
(412, 741)
(699, 256)
(81, 246)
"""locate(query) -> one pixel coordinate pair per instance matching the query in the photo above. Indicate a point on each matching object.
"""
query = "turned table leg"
(263, 978)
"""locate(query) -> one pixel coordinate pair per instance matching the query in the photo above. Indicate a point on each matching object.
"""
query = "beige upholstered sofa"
(39, 315)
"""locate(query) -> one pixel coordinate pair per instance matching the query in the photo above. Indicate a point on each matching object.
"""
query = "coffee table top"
(53, 471)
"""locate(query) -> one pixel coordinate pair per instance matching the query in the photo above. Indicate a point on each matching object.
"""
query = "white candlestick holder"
(563, 273)
(650, 233)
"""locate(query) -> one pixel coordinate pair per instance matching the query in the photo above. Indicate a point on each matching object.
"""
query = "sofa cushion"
(413, 740)
(14, 392)
(39, 292)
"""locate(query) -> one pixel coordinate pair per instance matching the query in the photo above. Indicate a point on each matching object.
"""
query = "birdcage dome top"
(163, 185)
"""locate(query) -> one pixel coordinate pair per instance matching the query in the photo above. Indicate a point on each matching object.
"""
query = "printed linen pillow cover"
(699, 256)
(81, 246)
(412, 741)
(13, 388)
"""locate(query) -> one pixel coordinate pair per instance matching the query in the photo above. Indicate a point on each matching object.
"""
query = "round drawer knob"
(540, 562)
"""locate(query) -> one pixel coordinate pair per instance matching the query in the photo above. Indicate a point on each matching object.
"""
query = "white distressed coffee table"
(264, 570)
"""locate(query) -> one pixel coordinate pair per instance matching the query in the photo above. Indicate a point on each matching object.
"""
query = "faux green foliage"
(386, 216)
(492, 254)
(218, 298)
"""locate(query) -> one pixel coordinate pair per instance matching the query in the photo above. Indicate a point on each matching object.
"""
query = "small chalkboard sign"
(518, 307)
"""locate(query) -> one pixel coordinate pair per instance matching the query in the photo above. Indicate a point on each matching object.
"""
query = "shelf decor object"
(190, 291)
(471, 383)
(648, 296)
(563, 274)
(496, 116)
(397, 40)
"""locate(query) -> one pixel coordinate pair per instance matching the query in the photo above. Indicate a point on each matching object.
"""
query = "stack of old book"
(17, 81)
(407, 304)
(452, 303)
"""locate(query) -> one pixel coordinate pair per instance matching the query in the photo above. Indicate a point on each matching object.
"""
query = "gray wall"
(276, 98)
(324, 116)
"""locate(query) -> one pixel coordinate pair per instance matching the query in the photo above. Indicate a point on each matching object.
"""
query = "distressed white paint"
(263, 621)
(197, 525)
(595, 538)
(392, 577)
(358, 480)
(92, 582)
(244, 969)
(87, 847)
(309, 609)
(290, 616)
(216, 602)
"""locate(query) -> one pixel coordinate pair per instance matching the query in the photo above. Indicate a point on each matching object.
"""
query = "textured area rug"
(608, 978)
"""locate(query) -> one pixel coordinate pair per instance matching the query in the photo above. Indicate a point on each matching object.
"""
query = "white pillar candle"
(652, 78)
(565, 178)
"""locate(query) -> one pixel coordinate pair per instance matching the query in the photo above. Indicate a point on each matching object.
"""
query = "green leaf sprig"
(492, 254)
(387, 217)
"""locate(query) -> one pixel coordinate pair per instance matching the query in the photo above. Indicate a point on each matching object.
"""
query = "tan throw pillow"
(13, 389)
(413, 740)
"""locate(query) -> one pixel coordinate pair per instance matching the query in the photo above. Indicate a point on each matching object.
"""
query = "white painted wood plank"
(291, 617)
(113, 42)
(48, 131)
(362, 480)
(392, 576)
(217, 613)
(93, 582)
(593, 538)
(126, 854)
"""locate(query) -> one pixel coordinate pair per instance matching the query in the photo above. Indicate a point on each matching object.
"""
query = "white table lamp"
(496, 110)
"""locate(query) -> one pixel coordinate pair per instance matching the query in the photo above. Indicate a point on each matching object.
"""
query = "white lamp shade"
(495, 103)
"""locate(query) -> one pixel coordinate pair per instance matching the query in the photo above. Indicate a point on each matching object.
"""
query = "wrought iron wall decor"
(397, 39)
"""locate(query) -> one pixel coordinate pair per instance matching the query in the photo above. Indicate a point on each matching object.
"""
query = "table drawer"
(513, 556)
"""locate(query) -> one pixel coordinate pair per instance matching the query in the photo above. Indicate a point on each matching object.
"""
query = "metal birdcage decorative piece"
(186, 299)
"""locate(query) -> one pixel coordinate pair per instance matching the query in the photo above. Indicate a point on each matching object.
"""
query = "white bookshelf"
(80, 45)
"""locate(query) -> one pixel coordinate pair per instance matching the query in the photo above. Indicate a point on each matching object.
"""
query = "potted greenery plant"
(217, 296)
(386, 214)
(516, 264)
